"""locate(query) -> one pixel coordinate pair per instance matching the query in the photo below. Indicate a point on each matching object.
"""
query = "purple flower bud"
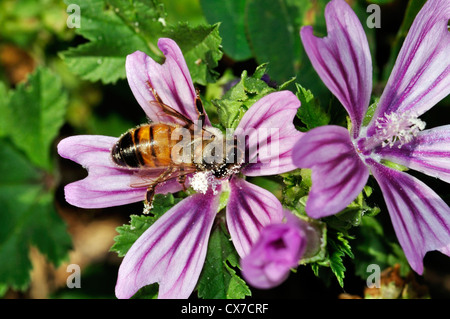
(278, 249)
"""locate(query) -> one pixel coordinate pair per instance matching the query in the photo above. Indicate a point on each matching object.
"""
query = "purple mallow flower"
(278, 249)
(172, 251)
(341, 161)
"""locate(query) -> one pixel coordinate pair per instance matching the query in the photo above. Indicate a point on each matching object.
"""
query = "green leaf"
(271, 19)
(310, 112)
(393, 165)
(128, 234)
(34, 115)
(117, 28)
(201, 49)
(352, 215)
(339, 247)
(28, 218)
(114, 30)
(370, 112)
(297, 184)
(236, 101)
(231, 15)
(337, 265)
(147, 292)
(273, 33)
(218, 279)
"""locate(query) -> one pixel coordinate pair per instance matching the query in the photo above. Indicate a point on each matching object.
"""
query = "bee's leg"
(182, 179)
(200, 109)
(148, 204)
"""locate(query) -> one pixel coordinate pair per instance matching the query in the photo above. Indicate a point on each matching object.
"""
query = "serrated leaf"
(201, 49)
(337, 266)
(236, 101)
(352, 215)
(338, 249)
(128, 234)
(114, 30)
(310, 112)
(218, 279)
(117, 28)
(34, 115)
(297, 185)
(344, 244)
(28, 218)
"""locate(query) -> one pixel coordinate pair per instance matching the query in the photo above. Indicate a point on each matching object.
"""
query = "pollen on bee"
(147, 208)
(201, 181)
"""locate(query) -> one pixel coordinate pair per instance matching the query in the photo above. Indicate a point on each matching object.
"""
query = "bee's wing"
(167, 110)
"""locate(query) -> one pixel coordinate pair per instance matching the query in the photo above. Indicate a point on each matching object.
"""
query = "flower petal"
(106, 185)
(271, 134)
(171, 80)
(249, 209)
(342, 59)
(88, 150)
(421, 75)
(338, 174)
(172, 251)
(428, 152)
(421, 219)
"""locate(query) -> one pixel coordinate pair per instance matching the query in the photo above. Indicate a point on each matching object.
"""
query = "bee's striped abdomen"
(145, 146)
(156, 144)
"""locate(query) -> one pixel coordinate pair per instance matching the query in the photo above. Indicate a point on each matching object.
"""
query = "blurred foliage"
(31, 119)
(57, 81)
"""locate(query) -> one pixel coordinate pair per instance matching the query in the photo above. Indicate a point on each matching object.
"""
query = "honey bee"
(158, 149)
